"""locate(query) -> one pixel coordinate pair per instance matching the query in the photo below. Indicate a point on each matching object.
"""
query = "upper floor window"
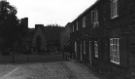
(114, 9)
(115, 50)
(84, 22)
(73, 28)
(94, 18)
(77, 27)
(96, 49)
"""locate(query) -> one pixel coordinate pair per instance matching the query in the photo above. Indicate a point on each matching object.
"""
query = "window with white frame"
(115, 50)
(96, 49)
(114, 9)
(84, 47)
(75, 48)
(94, 18)
(77, 27)
(84, 22)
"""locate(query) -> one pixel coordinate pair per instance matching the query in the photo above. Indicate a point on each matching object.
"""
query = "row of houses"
(103, 38)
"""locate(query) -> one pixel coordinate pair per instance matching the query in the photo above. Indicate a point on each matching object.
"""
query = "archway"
(39, 42)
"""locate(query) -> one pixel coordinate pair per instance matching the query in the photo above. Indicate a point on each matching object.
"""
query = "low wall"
(6, 59)
(29, 58)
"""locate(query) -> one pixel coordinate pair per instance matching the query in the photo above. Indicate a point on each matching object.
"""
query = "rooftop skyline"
(50, 11)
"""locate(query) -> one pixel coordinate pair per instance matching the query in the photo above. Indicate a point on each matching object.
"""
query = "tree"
(8, 24)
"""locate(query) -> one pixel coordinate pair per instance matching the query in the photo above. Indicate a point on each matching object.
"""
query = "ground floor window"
(84, 47)
(75, 48)
(96, 49)
(115, 50)
(81, 51)
(90, 52)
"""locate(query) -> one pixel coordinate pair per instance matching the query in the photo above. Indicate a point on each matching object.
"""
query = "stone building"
(46, 38)
(39, 39)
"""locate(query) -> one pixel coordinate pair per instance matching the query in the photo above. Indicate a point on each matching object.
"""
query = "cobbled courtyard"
(50, 70)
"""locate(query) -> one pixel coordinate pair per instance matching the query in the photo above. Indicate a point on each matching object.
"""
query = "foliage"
(8, 24)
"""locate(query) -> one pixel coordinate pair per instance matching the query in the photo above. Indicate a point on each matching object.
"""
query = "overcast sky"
(50, 11)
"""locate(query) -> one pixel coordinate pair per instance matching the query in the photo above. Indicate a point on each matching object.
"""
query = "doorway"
(90, 52)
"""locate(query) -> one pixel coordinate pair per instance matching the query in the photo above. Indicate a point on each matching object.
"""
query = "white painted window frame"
(115, 50)
(75, 48)
(94, 18)
(114, 9)
(84, 22)
(96, 49)
(84, 47)
(77, 27)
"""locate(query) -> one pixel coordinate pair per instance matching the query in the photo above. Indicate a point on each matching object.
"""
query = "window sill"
(115, 62)
(114, 17)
